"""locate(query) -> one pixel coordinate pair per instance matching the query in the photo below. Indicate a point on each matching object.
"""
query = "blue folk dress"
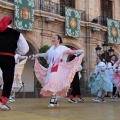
(100, 81)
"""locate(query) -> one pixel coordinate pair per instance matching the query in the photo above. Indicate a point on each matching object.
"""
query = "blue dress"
(100, 81)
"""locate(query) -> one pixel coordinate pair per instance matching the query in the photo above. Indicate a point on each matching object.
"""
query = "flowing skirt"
(58, 82)
(17, 83)
(100, 82)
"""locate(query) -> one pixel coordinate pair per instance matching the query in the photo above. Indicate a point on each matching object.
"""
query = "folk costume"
(59, 75)
(116, 76)
(19, 67)
(110, 73)
(99, 84)
(75, 85)
(10, 41)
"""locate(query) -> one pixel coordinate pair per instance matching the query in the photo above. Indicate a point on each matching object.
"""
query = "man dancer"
(75, 83)
(17, 82)
(10, 41)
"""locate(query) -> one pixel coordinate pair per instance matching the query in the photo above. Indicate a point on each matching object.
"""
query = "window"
(106, 11)
(69, 3)
(63, 3)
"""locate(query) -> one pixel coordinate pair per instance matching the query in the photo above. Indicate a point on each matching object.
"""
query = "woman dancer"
(110, 73)
(98, 81)
(116, 77)
(57, 78)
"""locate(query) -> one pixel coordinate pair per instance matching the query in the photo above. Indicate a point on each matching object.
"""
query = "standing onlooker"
(10, 41)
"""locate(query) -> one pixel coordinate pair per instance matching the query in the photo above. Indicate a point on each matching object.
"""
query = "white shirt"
(22, 45)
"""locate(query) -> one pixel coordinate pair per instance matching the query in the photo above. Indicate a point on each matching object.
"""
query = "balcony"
(102, 20)
(51, 7)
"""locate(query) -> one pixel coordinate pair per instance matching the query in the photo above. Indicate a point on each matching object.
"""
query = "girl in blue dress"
(98, 81)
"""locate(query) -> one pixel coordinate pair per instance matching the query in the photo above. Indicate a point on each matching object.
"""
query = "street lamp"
(98, 49)
(111, 51)
(105, 45)
(107, 53)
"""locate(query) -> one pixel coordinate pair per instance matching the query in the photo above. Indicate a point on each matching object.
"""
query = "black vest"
(8, 40)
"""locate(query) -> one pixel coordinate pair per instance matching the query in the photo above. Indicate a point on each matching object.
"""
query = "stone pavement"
(36, 109)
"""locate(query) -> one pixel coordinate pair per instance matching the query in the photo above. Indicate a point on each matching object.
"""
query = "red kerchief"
(4, 23)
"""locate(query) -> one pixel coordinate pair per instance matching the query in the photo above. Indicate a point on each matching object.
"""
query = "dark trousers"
(114, 89)
(7, 64)
(75, 85)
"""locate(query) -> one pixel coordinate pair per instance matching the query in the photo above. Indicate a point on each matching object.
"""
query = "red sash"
(55, 68)
(5, 53)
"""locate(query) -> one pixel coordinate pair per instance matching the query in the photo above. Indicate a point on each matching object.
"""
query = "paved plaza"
(36, 109)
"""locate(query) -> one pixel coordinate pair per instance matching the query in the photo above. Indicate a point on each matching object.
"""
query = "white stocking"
(100, 93)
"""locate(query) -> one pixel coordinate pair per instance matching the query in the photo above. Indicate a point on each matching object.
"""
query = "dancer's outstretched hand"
(80, 52)
(32, 57)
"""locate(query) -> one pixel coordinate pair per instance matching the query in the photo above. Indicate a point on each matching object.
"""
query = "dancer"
(116, 77)
(110, 73)
(75, 85)
(17, 83)
(10, 41)
(57, 78)
(98, 81)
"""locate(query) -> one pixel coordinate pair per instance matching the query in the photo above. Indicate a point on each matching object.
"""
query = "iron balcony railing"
(102, 20)
(51, 7)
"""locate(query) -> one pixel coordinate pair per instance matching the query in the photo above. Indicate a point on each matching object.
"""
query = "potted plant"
(43, 62)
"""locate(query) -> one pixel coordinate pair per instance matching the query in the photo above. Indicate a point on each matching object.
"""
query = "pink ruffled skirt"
(58, 82)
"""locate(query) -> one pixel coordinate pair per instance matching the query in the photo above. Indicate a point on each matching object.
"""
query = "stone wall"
(94, 9)
(116, 9)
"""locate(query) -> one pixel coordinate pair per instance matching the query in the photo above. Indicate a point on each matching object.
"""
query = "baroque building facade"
(43, 31)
